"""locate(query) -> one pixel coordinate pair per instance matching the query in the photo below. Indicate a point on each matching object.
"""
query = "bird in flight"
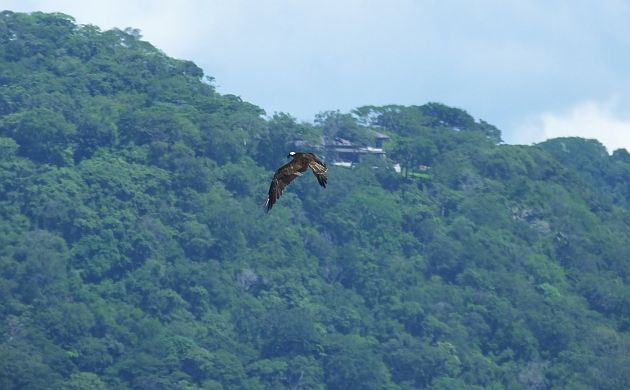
(294, 168)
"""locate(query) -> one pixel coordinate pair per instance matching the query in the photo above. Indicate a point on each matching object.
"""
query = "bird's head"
(291, 154)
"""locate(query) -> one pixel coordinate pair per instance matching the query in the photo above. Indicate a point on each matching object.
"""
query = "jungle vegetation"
(135, 252)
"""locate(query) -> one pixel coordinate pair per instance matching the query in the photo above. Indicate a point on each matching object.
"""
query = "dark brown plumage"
(294, 168)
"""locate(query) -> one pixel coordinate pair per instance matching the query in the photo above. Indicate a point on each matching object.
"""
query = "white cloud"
(589, 119)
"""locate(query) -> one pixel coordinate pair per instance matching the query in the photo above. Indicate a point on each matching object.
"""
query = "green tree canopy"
(135, 252)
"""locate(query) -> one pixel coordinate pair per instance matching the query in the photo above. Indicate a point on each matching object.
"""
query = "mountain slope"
(135, 252)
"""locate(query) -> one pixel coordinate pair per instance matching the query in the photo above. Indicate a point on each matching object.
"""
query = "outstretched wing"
(319, 169)
(283, 176)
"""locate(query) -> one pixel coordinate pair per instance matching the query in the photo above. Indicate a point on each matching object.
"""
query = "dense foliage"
(135, 252)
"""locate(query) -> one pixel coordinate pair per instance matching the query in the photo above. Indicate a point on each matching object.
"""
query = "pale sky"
(536, 69)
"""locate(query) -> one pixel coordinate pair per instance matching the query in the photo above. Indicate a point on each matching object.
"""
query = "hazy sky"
(536, 69)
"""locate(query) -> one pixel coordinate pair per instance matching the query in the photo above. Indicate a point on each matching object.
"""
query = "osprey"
(294, 168)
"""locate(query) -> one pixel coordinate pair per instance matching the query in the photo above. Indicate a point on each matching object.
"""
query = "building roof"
(378, 135)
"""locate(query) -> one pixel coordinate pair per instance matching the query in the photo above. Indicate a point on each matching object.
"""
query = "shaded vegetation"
(135, 252)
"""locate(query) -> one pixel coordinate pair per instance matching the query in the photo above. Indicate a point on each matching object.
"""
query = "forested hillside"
(135, 252)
